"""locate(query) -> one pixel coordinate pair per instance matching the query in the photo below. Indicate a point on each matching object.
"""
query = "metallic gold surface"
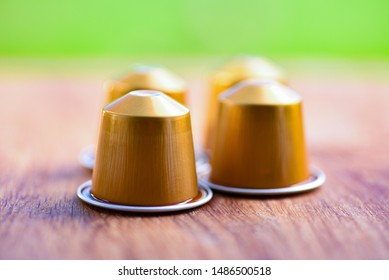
(240, 69)
(147, 77)
(259, 137)
(145, 153)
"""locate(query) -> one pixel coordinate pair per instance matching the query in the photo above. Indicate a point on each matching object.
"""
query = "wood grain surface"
(50, 110)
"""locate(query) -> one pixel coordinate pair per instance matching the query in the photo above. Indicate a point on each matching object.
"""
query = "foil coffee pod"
(239, 69)
(260, 144)
(145, 157)
(141, 77)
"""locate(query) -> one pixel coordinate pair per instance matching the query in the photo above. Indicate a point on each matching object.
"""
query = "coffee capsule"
(240, 69)
(145, 157)
(259, 144)
(138, 77)
(150, 78)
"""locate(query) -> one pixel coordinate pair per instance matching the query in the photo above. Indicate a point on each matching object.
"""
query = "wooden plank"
(46, 120)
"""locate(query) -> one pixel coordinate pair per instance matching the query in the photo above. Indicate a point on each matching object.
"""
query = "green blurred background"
(194, 27)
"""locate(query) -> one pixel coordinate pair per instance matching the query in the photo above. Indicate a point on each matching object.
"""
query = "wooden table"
(50, 110)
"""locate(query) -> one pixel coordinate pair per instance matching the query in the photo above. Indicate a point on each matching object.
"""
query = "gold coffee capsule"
(145, 153)
(139, 77)
(145, 157)
(150, 78)
(240, 69)
(259, 140)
